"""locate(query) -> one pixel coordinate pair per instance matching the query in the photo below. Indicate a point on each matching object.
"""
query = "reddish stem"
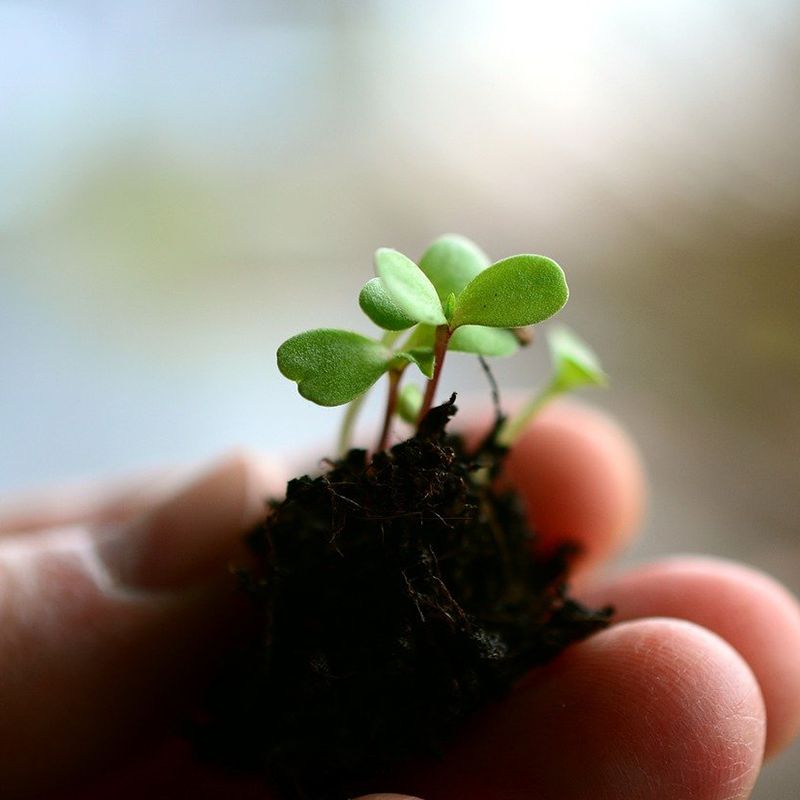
(443, 334)
(391, 405)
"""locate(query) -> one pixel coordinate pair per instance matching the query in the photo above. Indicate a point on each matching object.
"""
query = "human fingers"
(88, 502)
(105, 631)
(169, 770)
(748, 609)
(644, 710)
(581, 479)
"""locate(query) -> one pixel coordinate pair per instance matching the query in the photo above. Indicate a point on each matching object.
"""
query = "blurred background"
(183, 185)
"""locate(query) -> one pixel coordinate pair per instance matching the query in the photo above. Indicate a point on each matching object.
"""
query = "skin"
(115, 602)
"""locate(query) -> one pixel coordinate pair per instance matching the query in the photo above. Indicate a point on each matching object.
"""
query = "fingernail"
(192, 535)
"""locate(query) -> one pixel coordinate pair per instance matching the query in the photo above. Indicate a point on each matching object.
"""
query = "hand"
(114, 602)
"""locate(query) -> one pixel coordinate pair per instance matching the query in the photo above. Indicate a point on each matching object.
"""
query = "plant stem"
(391, 405)
(443, 334)
(514, 426)
(348, 423)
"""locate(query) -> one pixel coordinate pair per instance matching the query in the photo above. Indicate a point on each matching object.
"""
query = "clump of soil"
(394, 597)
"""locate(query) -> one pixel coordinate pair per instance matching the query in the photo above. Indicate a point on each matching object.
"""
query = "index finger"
(581, 479)
(87, 502)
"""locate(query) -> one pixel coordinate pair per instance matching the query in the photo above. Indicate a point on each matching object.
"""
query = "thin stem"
(514, 426)
(443, 334)
(498, 411)
(348, 423)
(391, 406)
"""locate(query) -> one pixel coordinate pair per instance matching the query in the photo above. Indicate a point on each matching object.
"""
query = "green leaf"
(376, 303)
(332, 367)
(409, 403)
(449, 306)
(421, 356)
(483, 341)
(451, 262)
(512, 293)
(468, 339)
(409, 287)
(422, 336)
(574, 363)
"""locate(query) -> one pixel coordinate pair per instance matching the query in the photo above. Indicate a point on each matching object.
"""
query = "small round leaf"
(451, 262)
(421, 356)
(517, 291)
(409, 287)
(409, 403)
(332, 367)
(376, 303)
(483, 341)
(449, 306)
(574, 363)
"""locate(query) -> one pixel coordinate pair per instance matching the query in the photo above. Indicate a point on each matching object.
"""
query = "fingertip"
(646, 710)
(262, 478)
(195, 531)
(582, 481)
(747, 608)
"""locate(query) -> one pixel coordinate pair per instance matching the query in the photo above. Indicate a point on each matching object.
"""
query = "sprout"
(574, 366)
(454, 300)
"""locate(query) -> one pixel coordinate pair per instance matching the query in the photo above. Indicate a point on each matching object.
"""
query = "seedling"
(399, 591)
(455, 300)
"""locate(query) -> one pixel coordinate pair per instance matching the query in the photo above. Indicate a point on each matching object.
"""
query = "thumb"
(99, 627)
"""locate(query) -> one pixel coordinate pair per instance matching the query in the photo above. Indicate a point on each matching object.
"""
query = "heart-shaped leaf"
(483, 341)
(332, 367)
(451, 262)
(409, 287)
(409, 403)
(574, 363)
(512, 293)
(421, 356)
(376, 303)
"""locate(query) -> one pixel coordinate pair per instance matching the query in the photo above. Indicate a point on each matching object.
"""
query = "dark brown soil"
(394, 597)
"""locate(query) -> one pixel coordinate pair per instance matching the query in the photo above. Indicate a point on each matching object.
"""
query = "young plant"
(574, 365)
(398, 592)
(454, 300)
